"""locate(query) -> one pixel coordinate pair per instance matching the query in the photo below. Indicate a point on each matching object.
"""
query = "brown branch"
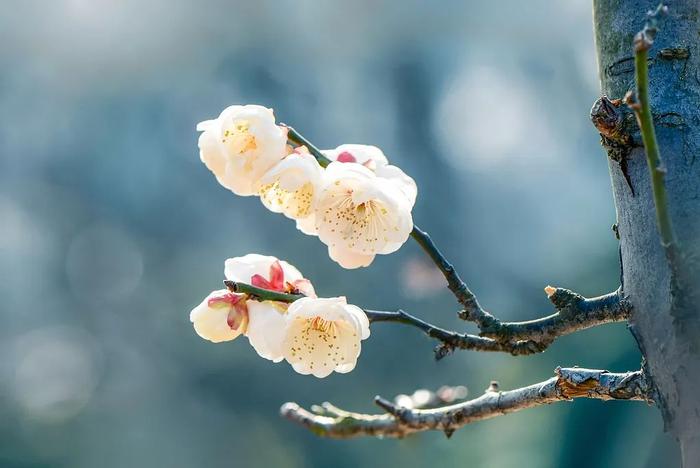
(574, 313)
(472, 309)
(399, 421)
(451, 340)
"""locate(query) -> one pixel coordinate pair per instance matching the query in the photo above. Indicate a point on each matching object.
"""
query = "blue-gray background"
(111, 230)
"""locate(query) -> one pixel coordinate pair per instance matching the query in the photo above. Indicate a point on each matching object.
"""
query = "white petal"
(336, 170)
(308, 225)
(348, 259)
(294, 171)
(266, 329)
(210, 150)
(403, 182)
(361, 320)
(330, 308)
(242, 269)
(205, 125)
(345, 368)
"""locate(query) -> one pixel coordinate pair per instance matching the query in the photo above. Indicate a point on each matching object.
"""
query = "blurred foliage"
(112, 230)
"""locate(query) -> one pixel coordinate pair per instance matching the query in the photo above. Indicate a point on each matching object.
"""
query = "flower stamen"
(322, 325)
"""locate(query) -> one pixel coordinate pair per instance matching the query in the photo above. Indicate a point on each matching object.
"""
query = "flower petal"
(267, 328)
(242, 269)
(276, 276)
(349, 259)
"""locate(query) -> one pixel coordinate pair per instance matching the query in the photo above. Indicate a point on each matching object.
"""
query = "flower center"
(238, 138)
(360, 226)
(295, 203)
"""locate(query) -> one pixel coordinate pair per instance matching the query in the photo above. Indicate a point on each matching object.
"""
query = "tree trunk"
(664, 323)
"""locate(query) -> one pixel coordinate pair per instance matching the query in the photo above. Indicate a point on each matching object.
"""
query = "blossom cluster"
(315, 335)
(356, 203)
(358, 206)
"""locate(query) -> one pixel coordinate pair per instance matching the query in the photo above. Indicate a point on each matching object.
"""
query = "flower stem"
(656, 170)
(299, 140)
(472, 310)
(642, 43)
(260, 293)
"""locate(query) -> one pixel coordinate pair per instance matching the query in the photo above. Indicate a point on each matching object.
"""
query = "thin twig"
(472, 309)
(260, 293)
(398, 421)
(642, 110)
(574, 313)
(451, 340)
(299, 140)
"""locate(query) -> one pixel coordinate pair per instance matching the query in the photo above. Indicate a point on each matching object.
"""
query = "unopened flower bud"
(221, 316)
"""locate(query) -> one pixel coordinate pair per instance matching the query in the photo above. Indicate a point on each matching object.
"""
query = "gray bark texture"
(400, 421)
(665, 315)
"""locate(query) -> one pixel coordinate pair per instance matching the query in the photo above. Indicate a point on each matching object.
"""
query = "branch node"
(388, 406)
(609, 119)
(563, 298)
(644, 39)
(442, 350)
(493, 387)
(288, 409)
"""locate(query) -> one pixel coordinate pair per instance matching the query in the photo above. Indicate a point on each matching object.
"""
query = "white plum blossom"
(323, 335)
(292, 186)
(266, 319)
(221, 316)
(374, 159)
(241, 145)
(360, 215)
(316, 336)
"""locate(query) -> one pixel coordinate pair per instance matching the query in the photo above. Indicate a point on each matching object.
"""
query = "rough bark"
(329, 421)
(665, 312)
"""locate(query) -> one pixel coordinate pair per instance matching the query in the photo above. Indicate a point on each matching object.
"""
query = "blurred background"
(111, 229)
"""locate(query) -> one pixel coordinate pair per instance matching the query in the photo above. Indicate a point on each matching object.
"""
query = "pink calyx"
(228, 299)
(237, 318)
(276, 281)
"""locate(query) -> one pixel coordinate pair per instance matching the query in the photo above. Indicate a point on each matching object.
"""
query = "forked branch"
(399, 421)
(574, 313)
